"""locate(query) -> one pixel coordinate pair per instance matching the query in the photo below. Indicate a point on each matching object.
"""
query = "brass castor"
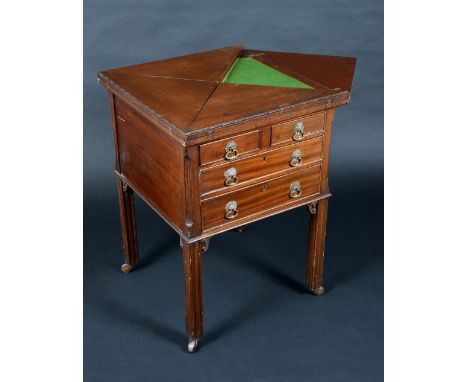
(241, 228)
(319, 291)
(192, 345)
(125, 268)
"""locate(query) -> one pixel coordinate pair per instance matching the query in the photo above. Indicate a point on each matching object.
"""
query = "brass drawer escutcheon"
(230, 177)
(295, 190)
(231, 210)
(298, 131)
(296, 158)
(231, 150)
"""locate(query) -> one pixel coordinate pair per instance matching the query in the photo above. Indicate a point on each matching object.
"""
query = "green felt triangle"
(249, 71)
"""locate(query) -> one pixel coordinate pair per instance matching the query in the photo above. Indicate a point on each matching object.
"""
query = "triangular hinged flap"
(231, 102)
(210, 65)
(175, 100)
(332, 72)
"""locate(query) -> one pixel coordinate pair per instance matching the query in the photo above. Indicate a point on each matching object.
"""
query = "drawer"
(261, 197)
(297, 129)
(232, 175)
(230, 148)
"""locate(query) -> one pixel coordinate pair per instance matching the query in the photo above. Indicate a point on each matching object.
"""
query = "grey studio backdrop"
(261, 324)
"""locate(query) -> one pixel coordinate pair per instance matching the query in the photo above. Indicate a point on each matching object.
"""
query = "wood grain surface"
(268, 162)
(283, 132)
(261, 196)
(172, 120)
(215, 151)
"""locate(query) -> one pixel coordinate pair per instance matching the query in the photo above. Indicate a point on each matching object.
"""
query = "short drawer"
(232, 175)
(297, 129)
(261, 197)
(230, 148)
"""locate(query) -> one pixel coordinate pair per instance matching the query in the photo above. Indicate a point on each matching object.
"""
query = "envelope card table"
(215, 140)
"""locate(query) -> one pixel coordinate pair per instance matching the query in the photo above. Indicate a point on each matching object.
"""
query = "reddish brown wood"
(216, 151)
(284, 132)
(328, 71)
(170, 93)
(172, 120)
(330, 114)
(128, 222)
(237, 102)
(152, 162)
(175, 100)
(316, 249)
(260, 215)
(192, 192)
(261, 196)
(267, 163)
(193, 289)
(114, 131)
(237, 126)
(265, 137)
(210, 65)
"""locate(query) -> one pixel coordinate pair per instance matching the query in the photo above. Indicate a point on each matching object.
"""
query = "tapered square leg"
(129, 231)
(316, 249)
(193, 290)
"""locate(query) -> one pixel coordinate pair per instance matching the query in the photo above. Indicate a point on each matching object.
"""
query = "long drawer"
(231, 176)
(260, 197)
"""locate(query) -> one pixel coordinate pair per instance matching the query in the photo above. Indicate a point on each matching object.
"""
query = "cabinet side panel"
(152, 161)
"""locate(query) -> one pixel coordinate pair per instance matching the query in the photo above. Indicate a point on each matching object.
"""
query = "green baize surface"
(248, 71)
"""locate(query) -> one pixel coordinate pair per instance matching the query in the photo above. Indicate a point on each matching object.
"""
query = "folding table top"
(212, 89)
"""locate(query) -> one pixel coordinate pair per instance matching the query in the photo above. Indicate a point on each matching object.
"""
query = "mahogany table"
(215, 140)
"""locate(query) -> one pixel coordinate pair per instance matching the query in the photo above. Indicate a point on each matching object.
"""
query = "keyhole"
(264, 157)
(264, 187)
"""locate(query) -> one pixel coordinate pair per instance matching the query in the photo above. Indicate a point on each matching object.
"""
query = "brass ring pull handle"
(231, 210)
(295, 190)
(230, 177)
(296, 158)
(231, 150)
(298, 131)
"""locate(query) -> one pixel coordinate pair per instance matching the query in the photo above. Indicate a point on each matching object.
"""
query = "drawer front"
(232, 175)
(298, 129)
(260, 197)
(229, 149)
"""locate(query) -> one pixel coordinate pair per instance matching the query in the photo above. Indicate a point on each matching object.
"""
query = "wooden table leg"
(317, 230)
(193, 290)
(127, 219)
